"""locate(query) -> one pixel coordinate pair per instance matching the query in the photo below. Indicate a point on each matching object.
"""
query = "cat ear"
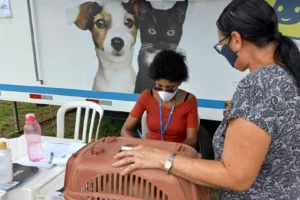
(144, 8)
(180, 8)
(86, 13)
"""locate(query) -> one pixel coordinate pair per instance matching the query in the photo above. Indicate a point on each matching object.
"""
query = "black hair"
(256, 21)
(169, 65)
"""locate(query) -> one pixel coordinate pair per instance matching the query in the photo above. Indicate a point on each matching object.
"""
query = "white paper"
(5, 11)
(57, 198)
(62, 152)
(59, 149)
(58, 195)
(125, 148)
(73, 147)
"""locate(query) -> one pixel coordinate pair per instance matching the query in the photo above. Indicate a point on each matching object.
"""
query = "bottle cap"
(3, 145)
(30, 117)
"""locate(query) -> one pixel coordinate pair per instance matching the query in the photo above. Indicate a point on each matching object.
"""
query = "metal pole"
(33, 43)
(16, 117)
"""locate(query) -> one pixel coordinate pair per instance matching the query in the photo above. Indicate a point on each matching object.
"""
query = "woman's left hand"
(141, 157)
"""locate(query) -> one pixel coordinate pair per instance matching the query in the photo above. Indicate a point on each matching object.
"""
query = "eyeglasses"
(166, 90)
(218, 46)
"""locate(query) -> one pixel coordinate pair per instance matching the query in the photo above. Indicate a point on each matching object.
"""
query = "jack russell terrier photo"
(113, 25)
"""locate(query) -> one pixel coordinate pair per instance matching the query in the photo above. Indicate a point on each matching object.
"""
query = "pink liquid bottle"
(32, 131)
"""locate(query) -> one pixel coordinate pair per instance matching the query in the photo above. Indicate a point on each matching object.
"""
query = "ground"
(46, 116)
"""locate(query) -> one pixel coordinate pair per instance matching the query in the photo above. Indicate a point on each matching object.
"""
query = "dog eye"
(100, 23)
(152, 31)
(171, 32)
(128, 22)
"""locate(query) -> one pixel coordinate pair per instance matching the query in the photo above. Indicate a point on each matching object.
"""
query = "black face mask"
(230, 55)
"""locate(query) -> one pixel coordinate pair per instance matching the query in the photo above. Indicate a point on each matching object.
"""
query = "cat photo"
(160, 28)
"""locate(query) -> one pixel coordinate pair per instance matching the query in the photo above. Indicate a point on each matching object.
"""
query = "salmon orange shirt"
(185, 116)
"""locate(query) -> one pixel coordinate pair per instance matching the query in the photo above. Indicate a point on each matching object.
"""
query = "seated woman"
(172, 113)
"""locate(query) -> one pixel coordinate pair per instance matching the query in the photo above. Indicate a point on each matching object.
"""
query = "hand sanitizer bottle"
(6, 170)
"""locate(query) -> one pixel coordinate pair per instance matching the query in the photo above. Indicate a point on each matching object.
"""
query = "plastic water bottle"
(6, 170)
(32, 131)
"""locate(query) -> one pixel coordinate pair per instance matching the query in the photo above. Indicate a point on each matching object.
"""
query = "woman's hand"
(141, 157)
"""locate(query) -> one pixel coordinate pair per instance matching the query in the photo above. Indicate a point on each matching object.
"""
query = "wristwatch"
(168, 163)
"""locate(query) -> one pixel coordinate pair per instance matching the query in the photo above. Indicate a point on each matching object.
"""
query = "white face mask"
(165, 96)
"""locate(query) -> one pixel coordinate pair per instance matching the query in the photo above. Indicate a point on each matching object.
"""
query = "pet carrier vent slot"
(97, 198)
(130, 185)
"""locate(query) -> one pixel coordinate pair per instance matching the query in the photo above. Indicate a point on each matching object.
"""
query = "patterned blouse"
(270, 99)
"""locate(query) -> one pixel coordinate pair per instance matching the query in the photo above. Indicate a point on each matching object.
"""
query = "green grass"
(46, 116)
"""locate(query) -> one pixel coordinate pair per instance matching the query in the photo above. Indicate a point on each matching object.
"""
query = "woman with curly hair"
(172, 113)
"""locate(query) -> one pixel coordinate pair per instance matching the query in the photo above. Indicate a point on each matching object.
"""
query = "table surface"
(30, 188)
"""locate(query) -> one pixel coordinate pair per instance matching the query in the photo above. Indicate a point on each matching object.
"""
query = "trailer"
(53, 52)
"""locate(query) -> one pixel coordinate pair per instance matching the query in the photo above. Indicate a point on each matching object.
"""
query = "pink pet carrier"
(90, 175)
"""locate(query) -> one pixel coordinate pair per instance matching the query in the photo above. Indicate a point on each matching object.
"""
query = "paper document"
(73, 147)
(62, 151)
(59, 195)
(5, 11)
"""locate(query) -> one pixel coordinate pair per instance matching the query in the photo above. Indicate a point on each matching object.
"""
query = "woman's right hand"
(141, 157)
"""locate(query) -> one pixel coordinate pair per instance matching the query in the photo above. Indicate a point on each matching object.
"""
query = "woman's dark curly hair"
(169, 65)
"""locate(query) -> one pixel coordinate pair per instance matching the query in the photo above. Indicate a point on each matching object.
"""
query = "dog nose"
(117, 43)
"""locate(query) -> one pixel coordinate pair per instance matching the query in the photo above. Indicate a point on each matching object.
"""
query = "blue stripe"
(208, 103)
(204, 103)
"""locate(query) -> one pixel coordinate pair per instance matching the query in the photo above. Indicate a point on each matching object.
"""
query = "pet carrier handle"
(74, 155)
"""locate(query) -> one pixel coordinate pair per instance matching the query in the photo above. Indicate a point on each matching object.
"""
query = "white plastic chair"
(79, 105)
(145, 128)
(144, 124)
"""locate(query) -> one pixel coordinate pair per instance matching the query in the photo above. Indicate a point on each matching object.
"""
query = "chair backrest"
(144, 124)
(88, 106)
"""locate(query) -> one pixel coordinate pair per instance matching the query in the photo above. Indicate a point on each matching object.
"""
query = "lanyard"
(163, 130)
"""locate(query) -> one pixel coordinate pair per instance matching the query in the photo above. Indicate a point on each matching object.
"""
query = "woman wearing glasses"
(257, 144)
(172, 113)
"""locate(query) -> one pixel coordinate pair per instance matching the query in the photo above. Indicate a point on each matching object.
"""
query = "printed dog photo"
(113, 25)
